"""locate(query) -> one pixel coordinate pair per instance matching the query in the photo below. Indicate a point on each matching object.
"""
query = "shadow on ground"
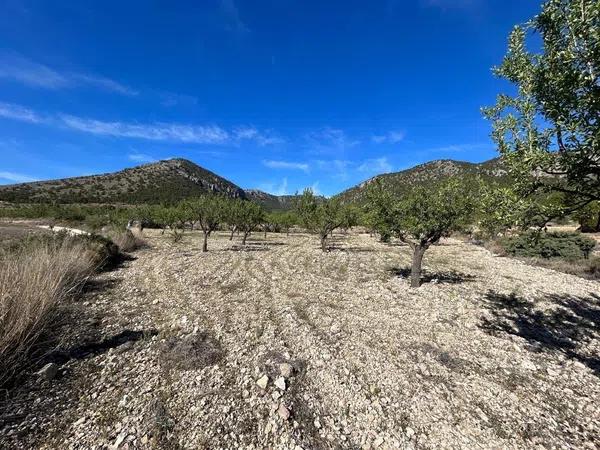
(98, 347)
(567, 326)
(446, 277)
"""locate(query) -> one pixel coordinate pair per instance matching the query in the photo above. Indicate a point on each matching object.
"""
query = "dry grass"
(33, 279)
(128, 240)
(585, 268)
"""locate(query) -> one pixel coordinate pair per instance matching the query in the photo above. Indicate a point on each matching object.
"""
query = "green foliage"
(277, 221)
(172, 218)
(549, 245)
(423, 216)
(549, 132)
(427, 214)
(501, 208)
(322, 216)
(589, 218)
(244, 215)
(208, 211)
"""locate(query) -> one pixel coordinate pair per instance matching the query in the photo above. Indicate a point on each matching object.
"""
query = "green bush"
(549, 245)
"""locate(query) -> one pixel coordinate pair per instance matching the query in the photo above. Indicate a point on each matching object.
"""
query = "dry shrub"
(33, 279)
(585, 268)
(495, 247)
(128, 240)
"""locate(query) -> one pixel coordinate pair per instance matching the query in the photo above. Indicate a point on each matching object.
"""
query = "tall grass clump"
(35, 276)
(127, 240)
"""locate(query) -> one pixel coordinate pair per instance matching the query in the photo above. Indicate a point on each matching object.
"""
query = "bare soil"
(166, 351)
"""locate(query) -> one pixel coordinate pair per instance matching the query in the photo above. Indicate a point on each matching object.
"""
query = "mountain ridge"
(178, 178)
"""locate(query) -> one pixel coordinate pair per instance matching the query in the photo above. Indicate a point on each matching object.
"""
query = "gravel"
(284, 346)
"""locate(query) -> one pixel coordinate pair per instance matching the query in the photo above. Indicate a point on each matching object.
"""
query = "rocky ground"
(279, 345)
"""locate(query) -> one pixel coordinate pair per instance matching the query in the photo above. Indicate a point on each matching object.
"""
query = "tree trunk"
(244, 238)
(324, 242)
(232, 231)
(265, 232)
(415, 271)
(205, 243)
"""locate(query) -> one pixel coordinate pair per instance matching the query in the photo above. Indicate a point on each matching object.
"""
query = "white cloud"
(141, 158)
(286, 165)
(157, 131)
(274, 188)
(105, 84)
(392, 137)
(339, 167)
(376, 166)
(15, 177)
(16, 112)
(22, 70)
(253, 134)
(315, 188)
(329, 139)
(197, 134)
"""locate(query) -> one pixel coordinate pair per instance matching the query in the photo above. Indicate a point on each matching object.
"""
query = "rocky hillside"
(168, 180)
(269, 201)
(430, 172)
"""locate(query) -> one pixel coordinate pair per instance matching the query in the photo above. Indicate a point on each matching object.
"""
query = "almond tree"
(246, 216)
(322, 216)
(422, 216)
(208, 211)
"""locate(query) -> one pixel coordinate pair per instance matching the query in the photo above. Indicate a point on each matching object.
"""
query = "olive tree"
(321, 216)
(549, 131)
(422, 216)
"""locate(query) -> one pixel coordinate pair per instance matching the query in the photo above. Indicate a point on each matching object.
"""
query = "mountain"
(175, 179)
(167, 181)
(269, 201)
(430, 172)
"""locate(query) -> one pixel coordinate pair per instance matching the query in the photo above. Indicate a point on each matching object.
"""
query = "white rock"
(280, 383)
(48, 372)
(263, 381)
(286, 370)
(283, 412)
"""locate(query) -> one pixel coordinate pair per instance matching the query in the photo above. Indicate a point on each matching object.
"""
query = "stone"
(79, 422)
(286, 370)
(283, 412)
(120, 438)
(378, 442)
(280, 383)
(48, 372)
(409, 432)
(262, 382)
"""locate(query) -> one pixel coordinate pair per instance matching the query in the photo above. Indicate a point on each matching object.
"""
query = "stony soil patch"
(287, 347)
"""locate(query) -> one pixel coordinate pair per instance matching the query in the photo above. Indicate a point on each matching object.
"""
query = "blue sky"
(274, 94)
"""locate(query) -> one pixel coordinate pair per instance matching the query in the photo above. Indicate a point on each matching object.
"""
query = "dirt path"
(491, 353)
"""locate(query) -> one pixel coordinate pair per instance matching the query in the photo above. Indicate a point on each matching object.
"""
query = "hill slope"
(269, 201)
(430, 172)
(168, 180)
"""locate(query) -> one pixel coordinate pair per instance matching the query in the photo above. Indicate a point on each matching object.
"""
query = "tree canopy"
(549, 131)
